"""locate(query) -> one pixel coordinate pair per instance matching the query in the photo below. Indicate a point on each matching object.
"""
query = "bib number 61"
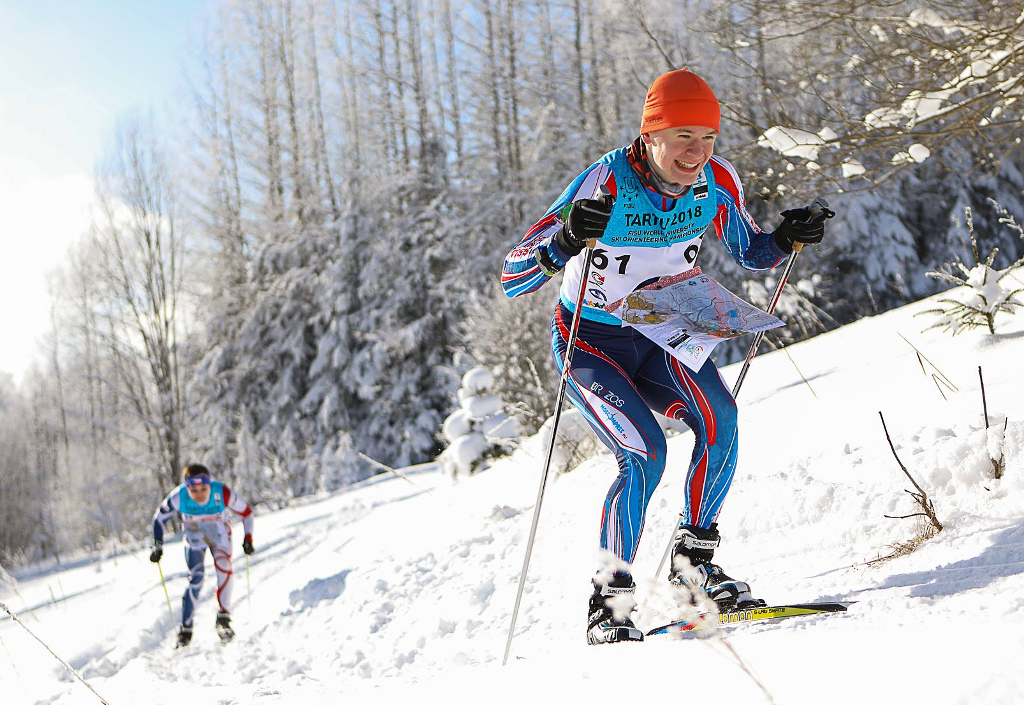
(600, 260)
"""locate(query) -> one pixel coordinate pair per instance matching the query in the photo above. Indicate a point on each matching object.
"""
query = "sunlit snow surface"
(402, 592)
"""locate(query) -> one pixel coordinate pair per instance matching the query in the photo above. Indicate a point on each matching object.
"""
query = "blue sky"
(68, 71)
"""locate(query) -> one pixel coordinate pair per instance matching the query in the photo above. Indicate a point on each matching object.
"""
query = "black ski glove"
(247, 545)
(586, 221)
(803, 225)
(157, 554)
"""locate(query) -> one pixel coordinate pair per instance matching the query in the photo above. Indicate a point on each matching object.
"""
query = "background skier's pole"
(163, 582)
(551, 446)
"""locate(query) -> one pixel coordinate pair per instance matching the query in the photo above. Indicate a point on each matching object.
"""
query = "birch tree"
(143, 274)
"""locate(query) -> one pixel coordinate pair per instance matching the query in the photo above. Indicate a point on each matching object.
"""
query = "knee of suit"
(717, 426)
(727, 419)
(196, 567)
(656, 463)
(651, 460)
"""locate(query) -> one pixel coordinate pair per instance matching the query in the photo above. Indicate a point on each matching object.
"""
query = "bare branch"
(921, 497)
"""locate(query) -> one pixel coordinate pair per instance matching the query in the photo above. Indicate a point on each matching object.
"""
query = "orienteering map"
(689, 314)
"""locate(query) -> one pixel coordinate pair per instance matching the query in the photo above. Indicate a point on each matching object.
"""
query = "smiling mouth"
(687, 167)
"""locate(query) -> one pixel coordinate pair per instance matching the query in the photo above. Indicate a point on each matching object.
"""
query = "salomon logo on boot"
(693, 570)
(610, 607)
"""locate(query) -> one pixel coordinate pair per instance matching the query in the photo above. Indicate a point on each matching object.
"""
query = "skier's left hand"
(247, 545)
(802, 225)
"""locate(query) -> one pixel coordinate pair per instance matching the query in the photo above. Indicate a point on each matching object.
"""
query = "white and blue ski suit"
(206, 526)
(618, 376)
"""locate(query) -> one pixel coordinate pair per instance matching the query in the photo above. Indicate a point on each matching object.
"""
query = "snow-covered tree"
(357, 170)
(898, 81)
(479, 430)
(513, 337)
(983, 292)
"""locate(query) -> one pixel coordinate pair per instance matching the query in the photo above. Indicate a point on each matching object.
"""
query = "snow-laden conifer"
(479, 430)
(982, 291)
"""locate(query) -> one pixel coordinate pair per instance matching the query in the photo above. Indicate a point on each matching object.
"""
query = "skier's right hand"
(156, 554)
(587, 220)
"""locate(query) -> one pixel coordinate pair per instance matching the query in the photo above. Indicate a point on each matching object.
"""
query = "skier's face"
(678, 154)
(200, 493)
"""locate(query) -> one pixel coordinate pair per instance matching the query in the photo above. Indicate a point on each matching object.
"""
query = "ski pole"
(563, 382)
(816, 209)
(163, 582)
(759, 336)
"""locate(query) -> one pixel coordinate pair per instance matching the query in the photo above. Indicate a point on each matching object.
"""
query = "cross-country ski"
(739, 615)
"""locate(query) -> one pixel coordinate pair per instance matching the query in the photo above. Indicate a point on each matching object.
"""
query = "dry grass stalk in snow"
(904, 548)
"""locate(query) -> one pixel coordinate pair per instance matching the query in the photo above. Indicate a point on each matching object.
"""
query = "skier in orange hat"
(645, 208)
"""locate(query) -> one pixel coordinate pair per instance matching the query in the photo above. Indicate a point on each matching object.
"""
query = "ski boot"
(224, 630)
(610, 607)
(184, 636)
(692, 569)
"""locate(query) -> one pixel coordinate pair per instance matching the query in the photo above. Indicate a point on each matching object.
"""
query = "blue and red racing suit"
(206, 526)
(618, 376)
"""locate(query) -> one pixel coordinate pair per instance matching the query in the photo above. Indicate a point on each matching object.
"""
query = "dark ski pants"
(617, 378)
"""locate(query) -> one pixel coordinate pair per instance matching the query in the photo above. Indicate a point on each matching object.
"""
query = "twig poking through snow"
(394, 472)
(984, 401)
(10, 658)
(997, 446)
(921, 497)
(746, 669)
(990, 444)
(64, 663)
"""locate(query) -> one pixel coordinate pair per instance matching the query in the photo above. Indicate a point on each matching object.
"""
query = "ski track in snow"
(394, 591)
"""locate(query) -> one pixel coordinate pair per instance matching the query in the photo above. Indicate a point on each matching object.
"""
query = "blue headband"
(197, 480)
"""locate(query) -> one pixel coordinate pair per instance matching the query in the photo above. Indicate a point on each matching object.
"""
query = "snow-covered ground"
(402, 591)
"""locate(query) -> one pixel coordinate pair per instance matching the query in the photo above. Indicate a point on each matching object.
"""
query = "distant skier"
(203, 505)
(648, 206)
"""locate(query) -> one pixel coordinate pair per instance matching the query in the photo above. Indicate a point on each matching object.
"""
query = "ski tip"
(822, 606)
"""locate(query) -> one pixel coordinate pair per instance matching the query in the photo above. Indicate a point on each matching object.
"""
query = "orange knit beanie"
(680, 99)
